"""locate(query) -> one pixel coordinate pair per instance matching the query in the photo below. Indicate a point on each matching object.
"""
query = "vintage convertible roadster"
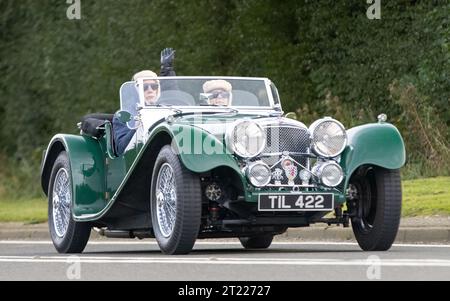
(197, 170)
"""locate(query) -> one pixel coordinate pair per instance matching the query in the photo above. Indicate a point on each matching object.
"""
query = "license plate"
(296, 202)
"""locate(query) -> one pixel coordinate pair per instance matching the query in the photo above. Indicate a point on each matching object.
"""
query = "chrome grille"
(286, 139)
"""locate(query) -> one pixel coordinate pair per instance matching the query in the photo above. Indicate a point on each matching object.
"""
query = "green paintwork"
(98, 176)
(204, 151)
(87, 162)
(118, 170)
(377, 144)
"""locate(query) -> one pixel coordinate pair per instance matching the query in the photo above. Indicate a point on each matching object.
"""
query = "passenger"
(218, 92)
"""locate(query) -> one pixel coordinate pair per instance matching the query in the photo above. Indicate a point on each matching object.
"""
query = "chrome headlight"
(246, 139)
(259, 174)
(329, 173)
(329, 137)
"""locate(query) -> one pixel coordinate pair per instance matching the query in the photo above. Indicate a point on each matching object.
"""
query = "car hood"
(218, 124)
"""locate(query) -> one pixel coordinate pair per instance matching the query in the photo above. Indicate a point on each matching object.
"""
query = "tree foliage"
(326, 57)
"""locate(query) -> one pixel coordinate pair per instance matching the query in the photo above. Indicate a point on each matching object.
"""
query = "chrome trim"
(318, 170)
(295, 161)
(382, 118)
(210, 77)
(288, 154)
(282, 127)
(314, 126)
(284, 123)
(230, 141)
(61, 202)
(166, 200)
(292, 186)
(253, 165)
(267, 83)
(262, 79)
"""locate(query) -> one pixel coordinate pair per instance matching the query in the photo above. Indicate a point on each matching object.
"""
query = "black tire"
(188, 210)
(378, 207)
(77, 234)
(257, 242)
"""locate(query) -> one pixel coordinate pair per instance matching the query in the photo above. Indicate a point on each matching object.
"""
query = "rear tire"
(175, 204)
(377, 206)
(68, 236)
(257, 242)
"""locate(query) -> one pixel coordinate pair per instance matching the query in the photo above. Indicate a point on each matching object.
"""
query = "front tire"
(377, 207)
(257, 242)
(68, 236)
(175, 204)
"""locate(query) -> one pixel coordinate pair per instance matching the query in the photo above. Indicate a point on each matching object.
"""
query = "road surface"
(223, 261)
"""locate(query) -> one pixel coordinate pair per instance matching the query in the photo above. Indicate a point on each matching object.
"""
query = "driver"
(152, 91)
(218, 92)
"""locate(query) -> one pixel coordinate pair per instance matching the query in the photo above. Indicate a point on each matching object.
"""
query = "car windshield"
(202, 92)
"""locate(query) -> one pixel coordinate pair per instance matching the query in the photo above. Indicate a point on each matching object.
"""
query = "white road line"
(229, 261)
(208, 243)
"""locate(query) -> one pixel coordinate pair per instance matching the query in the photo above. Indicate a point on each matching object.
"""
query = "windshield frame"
(267, 84)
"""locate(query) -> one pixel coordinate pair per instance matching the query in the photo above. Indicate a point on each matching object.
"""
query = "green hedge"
(325, 57)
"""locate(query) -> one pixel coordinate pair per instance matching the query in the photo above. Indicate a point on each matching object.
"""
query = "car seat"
(244, 99)
(176, 98)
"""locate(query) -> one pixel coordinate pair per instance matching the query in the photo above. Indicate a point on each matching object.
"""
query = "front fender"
(379, 144)
(87, 164)
(201, 151)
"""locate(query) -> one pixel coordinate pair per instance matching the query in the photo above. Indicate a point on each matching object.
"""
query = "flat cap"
(217, 85)
(144, 74)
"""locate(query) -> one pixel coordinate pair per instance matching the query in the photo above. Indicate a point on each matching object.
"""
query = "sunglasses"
(219, 95)
(154, 87)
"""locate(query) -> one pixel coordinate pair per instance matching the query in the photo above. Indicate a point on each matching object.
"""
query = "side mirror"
(291, 115)
(124, 116)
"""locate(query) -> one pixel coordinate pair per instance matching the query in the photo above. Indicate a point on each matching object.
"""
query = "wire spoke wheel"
(62, 199)
(166, 200)
(68, 236)
(175, 204)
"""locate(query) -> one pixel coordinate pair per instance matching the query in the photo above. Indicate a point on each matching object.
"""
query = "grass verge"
(425, 197)
(31, 211)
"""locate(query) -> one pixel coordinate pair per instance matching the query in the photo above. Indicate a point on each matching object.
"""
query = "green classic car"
(197, 168)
